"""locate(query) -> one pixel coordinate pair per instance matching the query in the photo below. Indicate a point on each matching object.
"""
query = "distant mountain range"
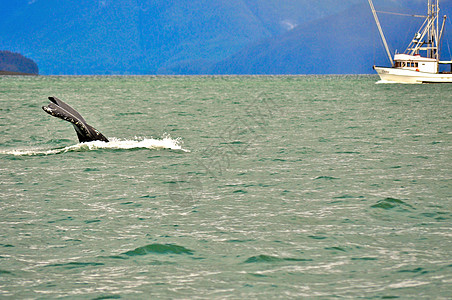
(204, 36)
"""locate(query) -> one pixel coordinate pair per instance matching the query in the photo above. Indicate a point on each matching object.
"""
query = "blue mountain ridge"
(346, 43)
(190, 37)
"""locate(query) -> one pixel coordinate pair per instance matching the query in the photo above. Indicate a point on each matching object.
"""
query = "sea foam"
(166, 142)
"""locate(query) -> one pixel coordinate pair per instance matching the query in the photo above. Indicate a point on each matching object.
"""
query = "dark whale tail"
(85, 132)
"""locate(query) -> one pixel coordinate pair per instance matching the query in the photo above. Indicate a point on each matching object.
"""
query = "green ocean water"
(232, 187)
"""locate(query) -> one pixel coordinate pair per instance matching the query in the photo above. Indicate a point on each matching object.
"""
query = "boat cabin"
(415, 63)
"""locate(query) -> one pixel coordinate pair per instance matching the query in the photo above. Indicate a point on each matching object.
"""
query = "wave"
(159, 249)
(273, 259)
(166, 142)
(390, 203)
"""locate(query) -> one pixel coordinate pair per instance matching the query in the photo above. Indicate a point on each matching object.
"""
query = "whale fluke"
(85, 132)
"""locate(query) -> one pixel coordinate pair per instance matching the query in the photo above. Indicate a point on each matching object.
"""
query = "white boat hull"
(411, 76)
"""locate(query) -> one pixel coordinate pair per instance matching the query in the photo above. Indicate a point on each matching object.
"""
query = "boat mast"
(429, 36)
(381, 32)
(435, 14)
(432, 46)
(441, 36)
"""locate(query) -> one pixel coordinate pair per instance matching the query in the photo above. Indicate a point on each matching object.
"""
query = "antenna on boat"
(374, 12)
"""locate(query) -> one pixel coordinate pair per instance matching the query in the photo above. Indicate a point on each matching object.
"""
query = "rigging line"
(448, 46)
(399, 14)
(374, 36)
(377, 21)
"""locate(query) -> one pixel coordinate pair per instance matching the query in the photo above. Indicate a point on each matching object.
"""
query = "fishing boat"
(420, 63)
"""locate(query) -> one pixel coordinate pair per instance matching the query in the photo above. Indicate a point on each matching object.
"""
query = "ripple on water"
(272, 259)
(392, 203)
(159, 249)
(75, 265)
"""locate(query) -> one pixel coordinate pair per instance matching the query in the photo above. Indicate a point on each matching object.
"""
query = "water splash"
(166, 142)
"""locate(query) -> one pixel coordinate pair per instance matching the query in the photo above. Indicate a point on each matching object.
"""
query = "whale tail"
(85, 132)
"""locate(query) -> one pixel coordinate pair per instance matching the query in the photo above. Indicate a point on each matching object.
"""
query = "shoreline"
(16, 73)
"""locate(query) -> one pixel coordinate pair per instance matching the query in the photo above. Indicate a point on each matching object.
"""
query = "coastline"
(16, 73)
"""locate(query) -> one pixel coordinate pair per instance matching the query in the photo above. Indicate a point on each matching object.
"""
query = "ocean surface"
(226, 187)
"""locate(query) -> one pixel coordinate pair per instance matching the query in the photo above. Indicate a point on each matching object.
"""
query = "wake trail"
(165, 142)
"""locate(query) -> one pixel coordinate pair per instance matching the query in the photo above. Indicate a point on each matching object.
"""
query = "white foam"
(395, 82)
(166, 142)
(385, 82)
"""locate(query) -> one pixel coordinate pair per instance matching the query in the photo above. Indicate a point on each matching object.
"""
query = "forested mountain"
(17, 63)
(194, 36)
(346, 43)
